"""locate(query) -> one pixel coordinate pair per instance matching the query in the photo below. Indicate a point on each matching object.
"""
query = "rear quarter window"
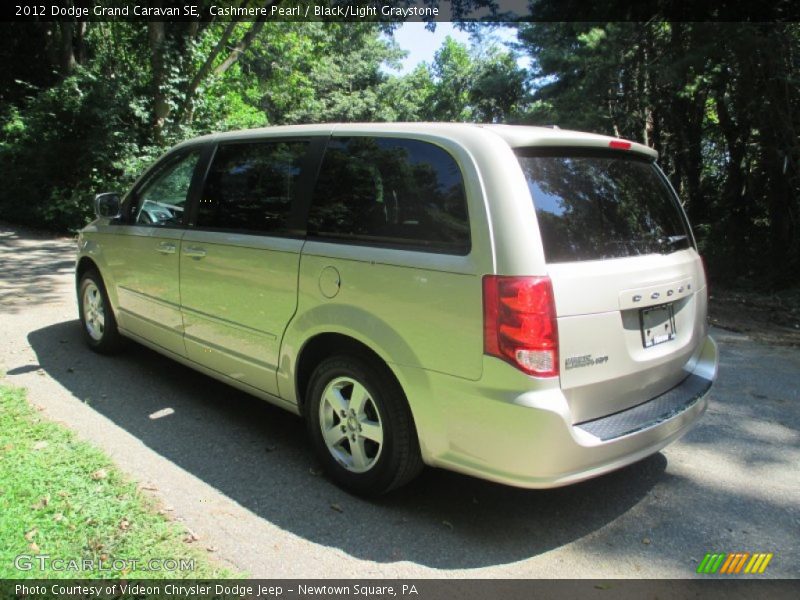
(595, 205)
(390, 192)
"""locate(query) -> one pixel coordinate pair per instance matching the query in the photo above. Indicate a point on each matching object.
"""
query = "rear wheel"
(97, 317)
(361, 426)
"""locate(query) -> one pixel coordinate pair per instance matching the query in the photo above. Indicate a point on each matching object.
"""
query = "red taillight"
(619, 145)
(519, 323)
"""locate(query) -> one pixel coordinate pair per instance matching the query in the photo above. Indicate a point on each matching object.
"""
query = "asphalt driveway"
(241, 477)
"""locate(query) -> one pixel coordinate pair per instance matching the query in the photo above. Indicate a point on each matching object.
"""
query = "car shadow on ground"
(258, 456)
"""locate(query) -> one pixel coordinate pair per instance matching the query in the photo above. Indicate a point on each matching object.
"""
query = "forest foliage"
(84, 107)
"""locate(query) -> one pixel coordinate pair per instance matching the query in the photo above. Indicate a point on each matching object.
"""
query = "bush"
(66, 144)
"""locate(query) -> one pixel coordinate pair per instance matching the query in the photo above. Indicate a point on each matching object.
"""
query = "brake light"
(519, 323)
(619, 145)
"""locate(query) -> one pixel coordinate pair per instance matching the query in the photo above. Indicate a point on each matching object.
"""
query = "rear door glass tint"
(592, 207)
(252, 186)
(392, 192)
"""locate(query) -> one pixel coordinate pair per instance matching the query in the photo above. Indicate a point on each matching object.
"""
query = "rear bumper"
(651, 413)
(528, 440)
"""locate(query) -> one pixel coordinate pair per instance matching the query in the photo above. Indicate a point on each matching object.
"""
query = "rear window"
(594, 206)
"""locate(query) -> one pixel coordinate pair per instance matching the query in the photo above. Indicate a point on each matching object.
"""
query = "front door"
(145, 255)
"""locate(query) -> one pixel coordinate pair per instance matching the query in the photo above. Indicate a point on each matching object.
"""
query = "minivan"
(521, 304)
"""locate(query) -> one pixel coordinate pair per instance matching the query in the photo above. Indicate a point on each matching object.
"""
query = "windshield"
(595, 205)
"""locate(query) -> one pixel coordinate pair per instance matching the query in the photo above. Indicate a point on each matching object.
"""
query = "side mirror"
(107, 205)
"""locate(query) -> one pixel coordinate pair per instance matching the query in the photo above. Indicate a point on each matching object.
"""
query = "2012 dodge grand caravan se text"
(521, 304)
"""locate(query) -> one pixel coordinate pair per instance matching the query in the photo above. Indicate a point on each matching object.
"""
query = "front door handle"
(166, 248)
(195, 252)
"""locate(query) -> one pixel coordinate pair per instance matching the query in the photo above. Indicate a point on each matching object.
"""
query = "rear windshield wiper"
(673, 242)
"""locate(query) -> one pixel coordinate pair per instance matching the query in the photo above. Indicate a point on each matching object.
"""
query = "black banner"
(403, 10)
(389, 589)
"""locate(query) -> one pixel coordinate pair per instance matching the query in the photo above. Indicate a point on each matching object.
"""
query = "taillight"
(519, 323)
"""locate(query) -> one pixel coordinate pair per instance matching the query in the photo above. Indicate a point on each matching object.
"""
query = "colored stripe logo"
(734, 563)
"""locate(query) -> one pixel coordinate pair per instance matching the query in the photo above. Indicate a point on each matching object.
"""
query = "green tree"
(718, 101)
(481, 84)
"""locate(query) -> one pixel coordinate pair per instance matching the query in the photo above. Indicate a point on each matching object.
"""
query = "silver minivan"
(521, 304)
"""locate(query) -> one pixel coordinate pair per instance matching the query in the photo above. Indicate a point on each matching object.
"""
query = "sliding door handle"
(195, 252)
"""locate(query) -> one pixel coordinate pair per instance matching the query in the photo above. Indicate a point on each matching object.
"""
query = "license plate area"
(658, 324)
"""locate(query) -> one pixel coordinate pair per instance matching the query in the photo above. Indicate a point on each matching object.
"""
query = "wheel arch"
(85, 264)
(324, 345)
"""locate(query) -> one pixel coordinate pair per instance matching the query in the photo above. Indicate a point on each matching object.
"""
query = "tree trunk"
(185, 111)
(68, 61)
(241, 46)
(157, 38)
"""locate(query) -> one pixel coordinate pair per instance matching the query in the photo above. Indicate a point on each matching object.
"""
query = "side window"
(162, 199)
(393, 192)
(250, 186)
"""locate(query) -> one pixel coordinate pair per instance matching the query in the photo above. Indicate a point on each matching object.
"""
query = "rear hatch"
(628, 283)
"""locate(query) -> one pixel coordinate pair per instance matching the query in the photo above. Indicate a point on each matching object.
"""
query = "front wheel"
(361, 426)
(97, 317)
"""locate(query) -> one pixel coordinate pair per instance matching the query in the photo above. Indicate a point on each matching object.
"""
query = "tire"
(371, 448)
(97, 317)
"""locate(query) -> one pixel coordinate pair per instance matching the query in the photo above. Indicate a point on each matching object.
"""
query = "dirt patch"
(767, 318)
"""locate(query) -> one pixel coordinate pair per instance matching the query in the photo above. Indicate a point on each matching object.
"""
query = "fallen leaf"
(124, 525)
(447, 524)
(211, 548)
(314, 471)
(99, 474)
(58, 517)
(191, 536)
(62, 493)
(34, 547)
(41, 445)
(646, 541)
(30, 534)
(337, 508)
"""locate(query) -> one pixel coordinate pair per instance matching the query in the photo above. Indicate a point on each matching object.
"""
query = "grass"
(64, 498)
